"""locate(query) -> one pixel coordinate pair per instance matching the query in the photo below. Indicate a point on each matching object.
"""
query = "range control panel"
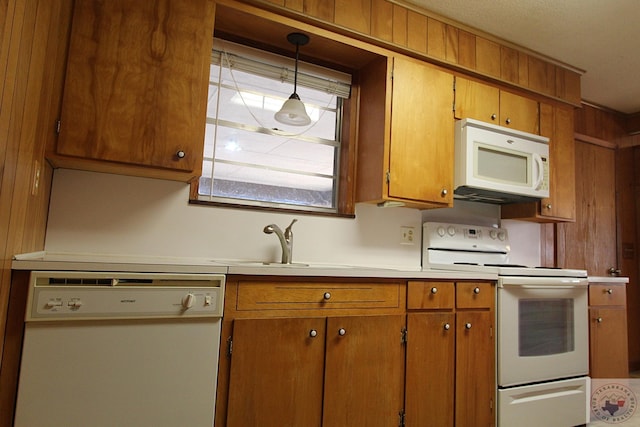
(441, 235)
(86, 296)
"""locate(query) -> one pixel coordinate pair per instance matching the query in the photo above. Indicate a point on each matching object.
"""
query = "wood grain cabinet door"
(608, 346)
(477, 101)
(519, 113)
(429, 390)
(364, 371)
(422, 132)
(136, 83)
(475, 369)
(276, 374)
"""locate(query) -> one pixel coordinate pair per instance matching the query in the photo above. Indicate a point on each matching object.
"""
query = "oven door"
(543, 331)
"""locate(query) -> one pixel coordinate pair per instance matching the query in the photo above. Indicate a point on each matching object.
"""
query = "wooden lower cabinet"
(336, 371)
(450, 355)
(311, 352)
(608, 346)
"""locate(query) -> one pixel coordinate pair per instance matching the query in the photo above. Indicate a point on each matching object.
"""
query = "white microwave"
(495, 164)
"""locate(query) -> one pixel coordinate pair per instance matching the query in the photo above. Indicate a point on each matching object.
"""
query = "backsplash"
(111, 214)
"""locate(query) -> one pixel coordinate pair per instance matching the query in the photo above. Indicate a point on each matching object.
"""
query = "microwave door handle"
(539, 170)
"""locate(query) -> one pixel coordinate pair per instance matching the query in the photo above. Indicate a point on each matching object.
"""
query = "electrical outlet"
(407, 235)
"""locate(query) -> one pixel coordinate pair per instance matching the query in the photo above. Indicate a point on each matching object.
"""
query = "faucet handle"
(287, 231)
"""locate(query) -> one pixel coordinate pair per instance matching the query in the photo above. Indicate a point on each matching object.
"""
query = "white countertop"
(107, 262)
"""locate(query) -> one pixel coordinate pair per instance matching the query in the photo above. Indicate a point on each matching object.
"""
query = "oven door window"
(546, 326)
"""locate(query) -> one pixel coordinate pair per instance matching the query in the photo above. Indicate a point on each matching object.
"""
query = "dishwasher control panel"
(60, 296)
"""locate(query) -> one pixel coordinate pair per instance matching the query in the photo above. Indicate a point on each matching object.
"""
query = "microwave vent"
(487, 196)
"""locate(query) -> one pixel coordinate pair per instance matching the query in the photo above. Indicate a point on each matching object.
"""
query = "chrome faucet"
(286, 240)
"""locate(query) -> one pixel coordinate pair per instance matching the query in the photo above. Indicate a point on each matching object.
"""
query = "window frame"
(344, 173)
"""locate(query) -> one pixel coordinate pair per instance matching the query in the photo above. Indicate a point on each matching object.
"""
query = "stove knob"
(441, 231)
(502, 235)
(493, 234)
(451, 230)
(187, 300)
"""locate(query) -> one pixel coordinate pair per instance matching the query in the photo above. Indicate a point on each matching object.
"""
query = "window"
(249, 158)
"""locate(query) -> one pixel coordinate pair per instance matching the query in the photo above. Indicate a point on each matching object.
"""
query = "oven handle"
(512, 285)
(543, 282)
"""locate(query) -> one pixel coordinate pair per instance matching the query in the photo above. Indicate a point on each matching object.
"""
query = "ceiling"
(598, 37)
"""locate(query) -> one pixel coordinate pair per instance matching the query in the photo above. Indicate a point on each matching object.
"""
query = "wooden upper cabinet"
(489, 104)
(556, 123)
(136, 86)
(405, 147)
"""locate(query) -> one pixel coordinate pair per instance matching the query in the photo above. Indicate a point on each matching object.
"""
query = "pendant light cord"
(295, 76)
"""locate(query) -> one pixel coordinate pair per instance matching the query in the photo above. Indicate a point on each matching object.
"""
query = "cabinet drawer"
(433, 295)
(474, 295)
(258, 295)
(607, 294)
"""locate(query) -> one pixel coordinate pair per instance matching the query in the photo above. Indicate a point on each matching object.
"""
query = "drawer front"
(607, 294)
(474, 295)
(258, 295)
(430, 295)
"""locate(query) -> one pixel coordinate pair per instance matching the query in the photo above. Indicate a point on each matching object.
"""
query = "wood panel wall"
(33, 40)
(610, 128)
(405, 27)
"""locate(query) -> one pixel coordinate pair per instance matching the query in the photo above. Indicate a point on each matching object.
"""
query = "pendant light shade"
(293, 111)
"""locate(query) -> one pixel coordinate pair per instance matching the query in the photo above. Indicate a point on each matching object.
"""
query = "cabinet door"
(476, 101)
(364, 371)
(136, 84)
(518, 112)
(422, 127)
(608, 343)
(475, 369)
(556, 123)
(276, 373)
(429, 389)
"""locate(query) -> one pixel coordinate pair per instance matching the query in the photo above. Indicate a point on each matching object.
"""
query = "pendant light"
(293, 111)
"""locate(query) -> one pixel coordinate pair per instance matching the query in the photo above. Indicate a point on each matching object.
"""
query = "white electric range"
(542, 325)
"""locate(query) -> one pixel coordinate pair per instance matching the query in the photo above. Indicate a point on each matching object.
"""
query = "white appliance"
(542, 326)
(120, 349)
(495, 164)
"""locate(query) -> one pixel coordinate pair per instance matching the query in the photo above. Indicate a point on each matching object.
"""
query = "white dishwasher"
(120, 349)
